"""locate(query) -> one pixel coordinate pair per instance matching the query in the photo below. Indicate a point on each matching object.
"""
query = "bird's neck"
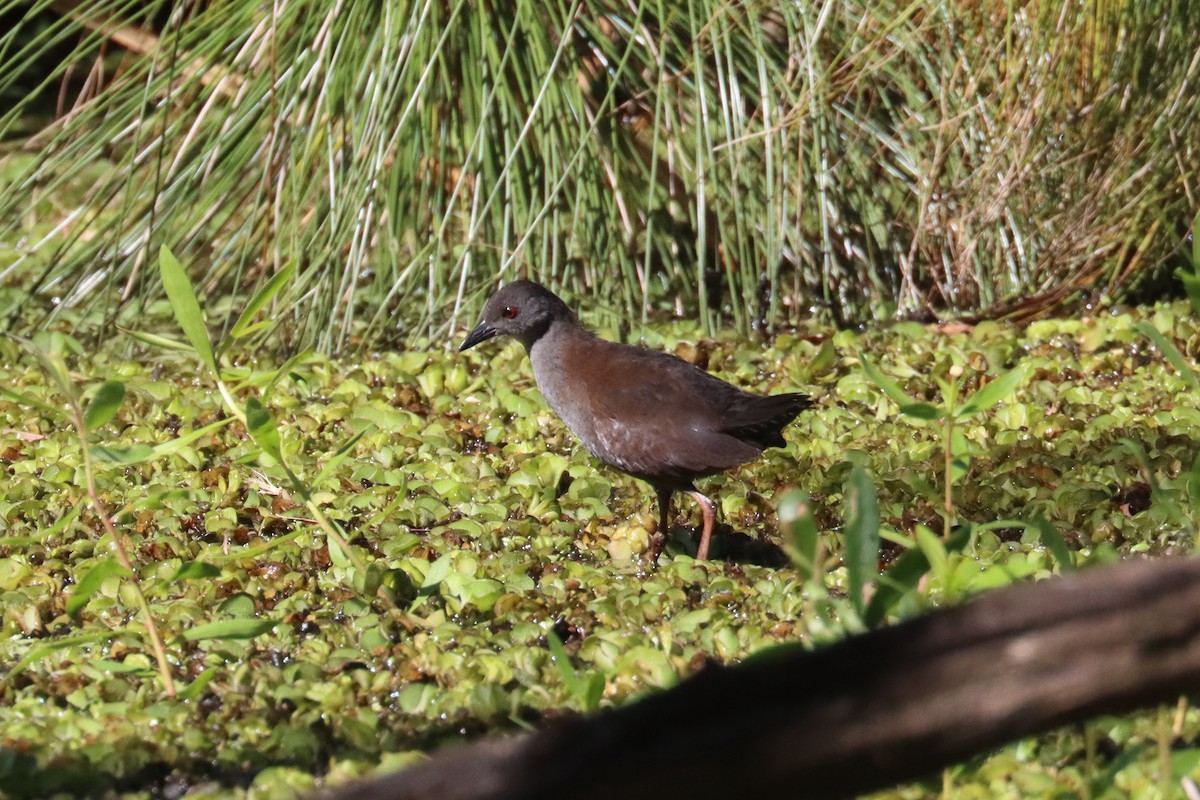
(557, 333)
(551, 357)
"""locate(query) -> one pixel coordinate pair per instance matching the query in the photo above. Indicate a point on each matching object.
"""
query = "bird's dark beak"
(482, 333)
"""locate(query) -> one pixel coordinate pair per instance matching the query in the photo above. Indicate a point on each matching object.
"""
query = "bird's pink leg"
(709, 510)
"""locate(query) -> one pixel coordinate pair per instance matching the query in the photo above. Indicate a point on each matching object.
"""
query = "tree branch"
(875, 710)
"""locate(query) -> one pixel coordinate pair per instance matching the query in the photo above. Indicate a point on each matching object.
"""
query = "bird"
(646, 413)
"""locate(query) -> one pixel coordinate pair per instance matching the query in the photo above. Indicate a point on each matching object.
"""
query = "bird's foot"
(658, 543)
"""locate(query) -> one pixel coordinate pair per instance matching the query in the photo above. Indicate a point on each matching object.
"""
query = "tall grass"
(739, 163)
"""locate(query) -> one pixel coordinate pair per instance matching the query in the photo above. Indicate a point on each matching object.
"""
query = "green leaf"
(155, 340)
(43, 650)
(56, 343)
(340, 455)
(194, 570)
(91, 582)
(338, 557)
(438, 571)
(889, 387)
(194, 689)
(104, 404)
(1193, 486)
(28, 400)
(861, 536)
(960, 451)
(922, 411)
(594, 691)
(251, 553)
(241, 628)
(562, 662)
(1165, 500)
(995, 392)
(904, 576)
(133, 454)
(175, 445)
(57, 368)
(262, 429)
(1053, 541)
(1191, 284)
(119, 667)
(263, 296)
(821, 361)
(800, 532)
(935, 552)
(182, 295)
(265, 381)
(44, 534)
(1196, 243)
(1170, 352)
(139, 453)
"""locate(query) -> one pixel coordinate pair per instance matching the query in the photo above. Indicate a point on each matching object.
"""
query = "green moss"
(491, 528)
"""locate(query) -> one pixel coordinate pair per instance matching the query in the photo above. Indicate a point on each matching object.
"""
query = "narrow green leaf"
(119, 667)
(194, 570)
(262, 429)
(933, 548)
(889, 387)
(1196, 244)
(133, 454)
(57, 368)
(261, 298)
(949, 390)
(250, 553)
(194, 689)
(56, 343)
(139, 453)
(958, 443)
(28, 400)
(41, 651)
(566, 670)
(995, 392)
(342, 453)
(922, 411)
(1193, 486)
(59, 526)
(241, 628)
(800, 532)
(1190, 278)
(182, 295)
(1053, 541)
(90, 583)
(175, 445)
(594, 692)
(154, 340)
(960, 451)
(861, 536)
(104, 404)
(1170, 352)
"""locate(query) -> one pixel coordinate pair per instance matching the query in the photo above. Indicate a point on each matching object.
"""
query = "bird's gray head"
(522, 310)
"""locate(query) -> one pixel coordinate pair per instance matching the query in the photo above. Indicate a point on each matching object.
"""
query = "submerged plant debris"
(494, 575)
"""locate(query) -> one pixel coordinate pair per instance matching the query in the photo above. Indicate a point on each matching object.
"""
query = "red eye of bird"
(509, 312)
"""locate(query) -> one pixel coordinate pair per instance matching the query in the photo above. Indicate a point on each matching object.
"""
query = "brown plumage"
(649, 414)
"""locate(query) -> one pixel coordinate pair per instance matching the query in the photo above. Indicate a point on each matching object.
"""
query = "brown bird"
(649, 414)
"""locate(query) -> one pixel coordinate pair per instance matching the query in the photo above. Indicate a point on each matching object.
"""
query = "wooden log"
(872, 711)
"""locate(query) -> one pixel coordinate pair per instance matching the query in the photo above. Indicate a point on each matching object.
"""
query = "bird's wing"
(654, 419)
